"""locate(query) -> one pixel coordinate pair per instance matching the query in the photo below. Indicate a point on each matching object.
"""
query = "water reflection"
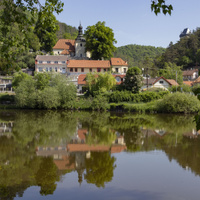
(41, 148)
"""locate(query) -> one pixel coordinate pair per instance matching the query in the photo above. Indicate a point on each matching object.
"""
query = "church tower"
(80, 44)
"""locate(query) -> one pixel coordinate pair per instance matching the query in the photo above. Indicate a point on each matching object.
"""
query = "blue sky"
(132, 20)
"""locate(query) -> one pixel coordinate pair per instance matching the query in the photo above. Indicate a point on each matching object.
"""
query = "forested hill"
(66, 31)
(136, 54)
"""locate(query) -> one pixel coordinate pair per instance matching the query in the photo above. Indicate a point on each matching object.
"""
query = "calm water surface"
(82, 155)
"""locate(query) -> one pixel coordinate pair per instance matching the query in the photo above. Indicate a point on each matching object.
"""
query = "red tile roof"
(82, 133)
(89, 64)
(118, 61)
(86, 147)
(65, 52)
(65, 44)
(190, 83)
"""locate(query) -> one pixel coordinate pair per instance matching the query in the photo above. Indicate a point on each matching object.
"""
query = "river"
(52, 155)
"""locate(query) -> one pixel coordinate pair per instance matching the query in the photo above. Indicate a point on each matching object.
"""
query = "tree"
(100, 82)
(172, 71)
(17, 19)
(160, 6)
(18, 77)
(99, 168)
(100, 41)
(133, 79)
(45, 29)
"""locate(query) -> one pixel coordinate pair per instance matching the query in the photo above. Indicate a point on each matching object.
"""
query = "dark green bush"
(196, 89)
(126, 96)
(178, 103)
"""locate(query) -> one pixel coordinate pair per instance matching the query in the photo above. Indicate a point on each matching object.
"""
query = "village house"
(119, 66)
(190, 75)
(72, 48)
(163, 83)
(50, 63)
(160, 82)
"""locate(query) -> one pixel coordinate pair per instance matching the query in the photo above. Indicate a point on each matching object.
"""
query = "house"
(185, 32)
(119, 66)
(49, 63)
(72, 48)
(163, 83)
(147, 83)
(77, 67)
(64, 47)
(190, 75)
(197, 81)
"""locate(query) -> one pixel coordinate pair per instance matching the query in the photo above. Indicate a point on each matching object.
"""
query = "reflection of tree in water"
(47, 176)
(99, 168)
(187, 154)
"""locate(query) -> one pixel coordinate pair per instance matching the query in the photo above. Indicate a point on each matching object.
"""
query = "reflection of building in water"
(5, 127)
(73, 156)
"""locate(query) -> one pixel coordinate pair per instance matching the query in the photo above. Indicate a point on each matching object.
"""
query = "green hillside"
(66, 31)
(136, 55)
(185, 53)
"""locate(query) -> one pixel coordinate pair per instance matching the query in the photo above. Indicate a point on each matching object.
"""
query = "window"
(90, 69)
(76, 70)
(81, 55)
(124, 70)
(71, 69)
(98, 69)
(47, 69)
(161, 82)
(82, 69)
(118, 79)
(116, 70)
(40, 69)
(81, 44)
(56, 69)
(50, 69)
(56, 62)
(40, 61)
(48, 62)
(104, 70)
(58, 52)
(63, 62)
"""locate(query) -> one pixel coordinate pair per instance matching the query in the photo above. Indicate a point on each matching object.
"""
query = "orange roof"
(65, 44)
(82, 79)
(65, 52)
(82, 133)
(118, 61)
(170, 81)
(197, 80)
(89, 64)
(118, 148)
(86, 147)
(65, 163)
(188, 83)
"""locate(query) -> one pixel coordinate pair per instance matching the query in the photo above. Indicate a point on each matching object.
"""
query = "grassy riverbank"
(170, 103)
